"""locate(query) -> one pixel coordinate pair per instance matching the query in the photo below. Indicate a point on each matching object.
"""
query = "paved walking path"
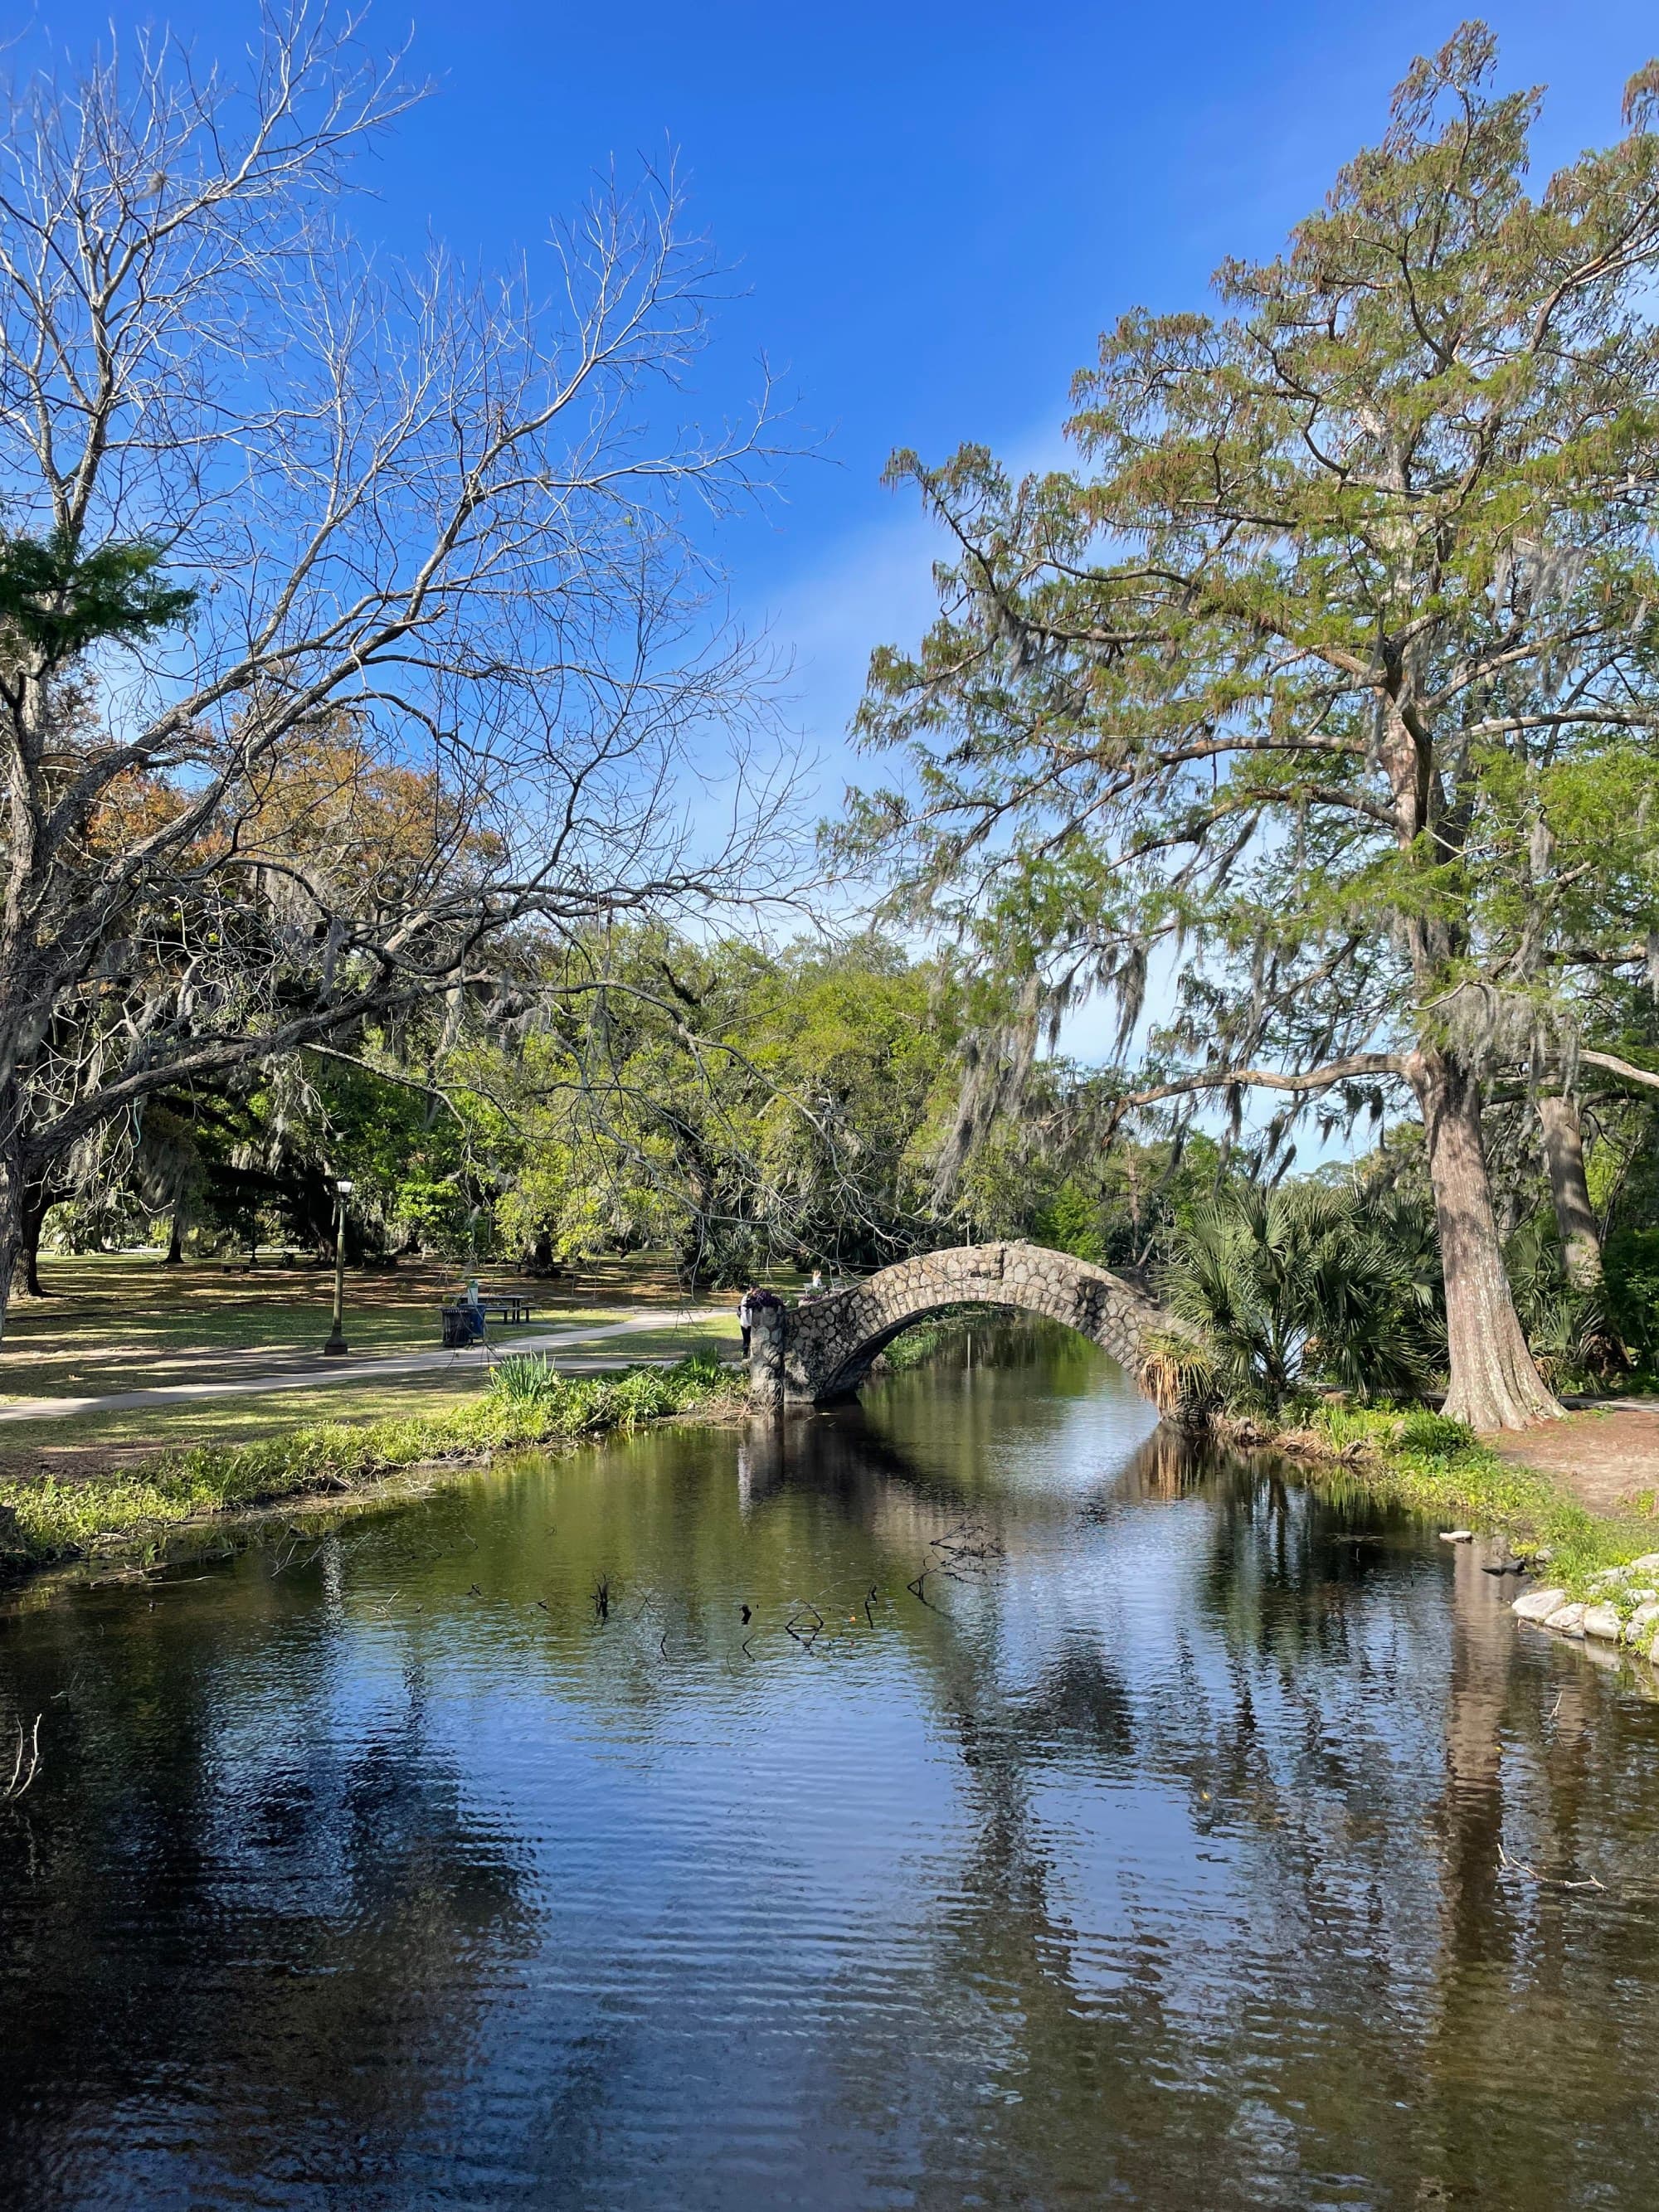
(349, 1369)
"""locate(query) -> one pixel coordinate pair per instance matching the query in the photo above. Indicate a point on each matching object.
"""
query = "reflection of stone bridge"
(822, 1347)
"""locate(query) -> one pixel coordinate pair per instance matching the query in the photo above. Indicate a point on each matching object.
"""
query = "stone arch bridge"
(824, 1347)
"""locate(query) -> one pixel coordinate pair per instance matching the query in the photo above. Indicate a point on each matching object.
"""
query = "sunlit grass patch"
(123, 1321)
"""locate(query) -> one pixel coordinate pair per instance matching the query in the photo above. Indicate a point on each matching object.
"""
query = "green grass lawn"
(83, 1443)
(672, 1341)
(125, 1322)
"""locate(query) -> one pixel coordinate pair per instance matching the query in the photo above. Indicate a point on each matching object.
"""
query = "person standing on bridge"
(746, 1317)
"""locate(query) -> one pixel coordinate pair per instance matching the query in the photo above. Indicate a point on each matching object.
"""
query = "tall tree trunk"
(1493, 1384)
(1575, 1216)
(14, 1196)
(37, 1204)
(175, 1257)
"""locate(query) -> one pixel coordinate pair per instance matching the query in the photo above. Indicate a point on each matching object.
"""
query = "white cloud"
(874, 588)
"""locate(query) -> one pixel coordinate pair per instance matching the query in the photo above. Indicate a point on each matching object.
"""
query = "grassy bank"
(87, 1444)
(1438, 1467)
(45, 1519)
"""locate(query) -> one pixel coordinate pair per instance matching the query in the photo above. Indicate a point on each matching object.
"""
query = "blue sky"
(931, 210)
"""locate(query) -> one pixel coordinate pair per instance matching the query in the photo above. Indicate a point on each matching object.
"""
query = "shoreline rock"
(1624, 1612)
(1538, 1605)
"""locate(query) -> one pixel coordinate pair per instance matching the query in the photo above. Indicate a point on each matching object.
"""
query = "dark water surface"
(1176, 1847)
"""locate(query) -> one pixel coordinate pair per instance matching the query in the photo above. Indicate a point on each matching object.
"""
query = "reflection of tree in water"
(1169, 1464)
(1165, 2078)
(1433, 1754)
(1287, 1562)
(1079, 1703)
(277, 1936)
(1001, 2079)
(1532, 1984)
(1354, 1986)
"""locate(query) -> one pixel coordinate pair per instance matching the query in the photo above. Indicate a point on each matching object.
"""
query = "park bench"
(277, 1255)
(465, 1324)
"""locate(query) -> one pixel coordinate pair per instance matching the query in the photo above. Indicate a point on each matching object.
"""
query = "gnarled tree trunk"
(1493, 1384)
(1575, 1216)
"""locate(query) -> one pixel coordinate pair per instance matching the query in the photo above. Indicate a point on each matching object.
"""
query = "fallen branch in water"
(1549, 1881)
(30, 1744)
(965, 1554)
(918, 1592)
(968, 1540)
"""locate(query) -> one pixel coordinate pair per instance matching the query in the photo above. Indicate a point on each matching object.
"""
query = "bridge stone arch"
(824, 1347)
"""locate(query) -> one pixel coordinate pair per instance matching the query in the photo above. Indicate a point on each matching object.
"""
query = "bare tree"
(353, 617)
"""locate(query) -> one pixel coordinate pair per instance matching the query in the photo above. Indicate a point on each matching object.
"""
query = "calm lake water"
(1172, 1841)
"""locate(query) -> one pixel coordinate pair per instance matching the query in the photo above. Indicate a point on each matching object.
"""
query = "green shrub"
(1631, 1259)
(1572, 1331)
(525, 1379)
(1433, 1434)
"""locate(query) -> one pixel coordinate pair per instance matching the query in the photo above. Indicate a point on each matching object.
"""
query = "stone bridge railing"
(822, 1347)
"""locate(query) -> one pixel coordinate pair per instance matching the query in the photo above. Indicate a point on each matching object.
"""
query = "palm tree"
(1309, 1281)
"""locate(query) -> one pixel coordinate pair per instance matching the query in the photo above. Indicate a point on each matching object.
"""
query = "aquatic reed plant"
(526, 1379)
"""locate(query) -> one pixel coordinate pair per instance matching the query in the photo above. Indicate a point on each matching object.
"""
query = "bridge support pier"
(768, 1335)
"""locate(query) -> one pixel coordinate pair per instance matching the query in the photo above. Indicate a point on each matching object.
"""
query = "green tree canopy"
(737, 1105)
(61, 600)
(1327, 683)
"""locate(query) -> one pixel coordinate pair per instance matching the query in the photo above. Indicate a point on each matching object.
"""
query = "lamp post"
(336, 1342)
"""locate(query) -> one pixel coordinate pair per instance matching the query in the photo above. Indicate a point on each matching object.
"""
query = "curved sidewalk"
(350, 1370)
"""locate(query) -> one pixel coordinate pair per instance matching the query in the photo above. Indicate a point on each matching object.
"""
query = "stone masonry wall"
(824, 1346)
